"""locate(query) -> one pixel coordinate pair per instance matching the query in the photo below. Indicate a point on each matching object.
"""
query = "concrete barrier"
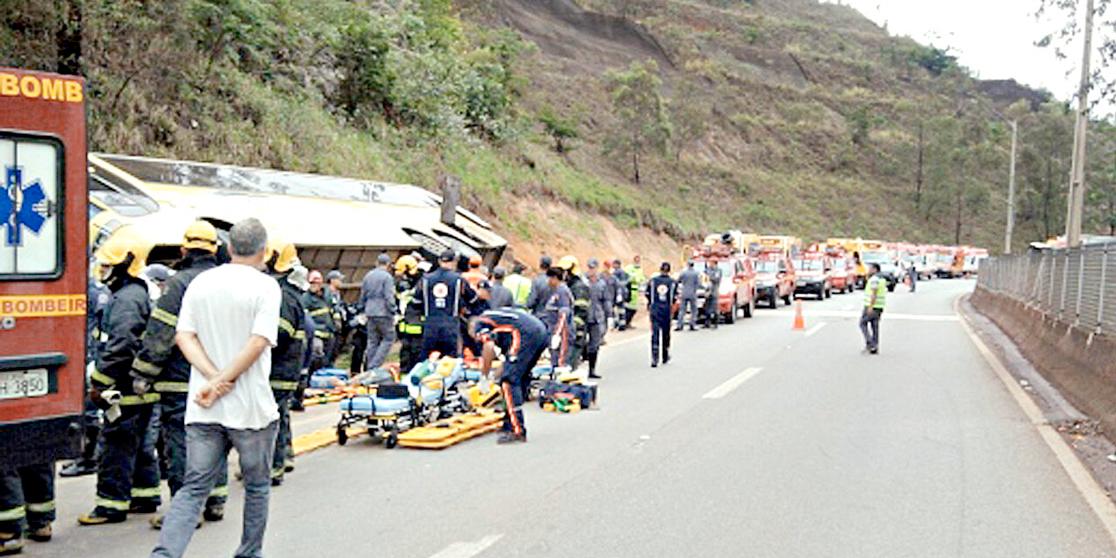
(1079, 363)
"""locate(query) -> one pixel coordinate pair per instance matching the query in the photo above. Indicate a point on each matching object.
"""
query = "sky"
(993, 38)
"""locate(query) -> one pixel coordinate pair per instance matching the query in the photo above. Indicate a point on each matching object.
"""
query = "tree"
(689, 116)
(560, 129)
(643, 124)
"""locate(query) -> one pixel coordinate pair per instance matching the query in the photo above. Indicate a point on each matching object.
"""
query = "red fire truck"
(43, 265)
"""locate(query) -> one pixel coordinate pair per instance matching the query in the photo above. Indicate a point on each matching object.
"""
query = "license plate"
(24, 383)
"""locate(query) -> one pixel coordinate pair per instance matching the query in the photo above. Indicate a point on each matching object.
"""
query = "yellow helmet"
(124, 241)
(406, 265)
(569, 263)
(285, 254)
(200, 235)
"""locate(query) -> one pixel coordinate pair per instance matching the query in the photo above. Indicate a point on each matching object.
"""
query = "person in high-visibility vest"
(875, 297)
(519, 285)
(636, 282)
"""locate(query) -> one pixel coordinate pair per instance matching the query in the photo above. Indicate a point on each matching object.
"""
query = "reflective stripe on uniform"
(43, 507)
(322, 334)
(150, 492)
(300, 335)
(145, 368)
(219, 491)
(100, 378)
(119, 505)
(410, 329)
(172, 387)
(164, 316)
(319, 312)
(277, 472)
(283, 385)
(13, 514)
(286, 326)
(144, 399)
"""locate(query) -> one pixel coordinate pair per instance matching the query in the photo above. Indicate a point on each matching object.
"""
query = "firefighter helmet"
(200, 235)
(281, 255)
(125, 241)
(406, 265)
(569, 263)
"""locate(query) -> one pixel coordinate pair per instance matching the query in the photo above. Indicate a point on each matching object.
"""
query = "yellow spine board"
(445, 433)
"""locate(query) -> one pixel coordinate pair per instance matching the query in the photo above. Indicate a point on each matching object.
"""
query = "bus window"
(30, 233)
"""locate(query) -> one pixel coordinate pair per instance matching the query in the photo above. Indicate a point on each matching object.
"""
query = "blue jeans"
(207, 446)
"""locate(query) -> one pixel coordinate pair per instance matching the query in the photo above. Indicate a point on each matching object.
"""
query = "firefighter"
(597, 322)
(581, 294)
(127, 476)
(98, 296)
(410, 326)
(317, 306)
(160, 367)
(636, 281)
(286, 355)
(661, 294)
(519, 339)
(624, 295)
(443, 295)
(333, 282)
(26, 495)
(557, 315)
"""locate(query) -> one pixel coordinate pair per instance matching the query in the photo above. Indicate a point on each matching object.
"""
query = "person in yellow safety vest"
(409, 277)
(519, 285)
(636, 282)
(875, 297)
(127, 474)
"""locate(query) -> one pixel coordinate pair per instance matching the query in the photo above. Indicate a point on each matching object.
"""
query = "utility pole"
(1076, 197)
(1010, 228)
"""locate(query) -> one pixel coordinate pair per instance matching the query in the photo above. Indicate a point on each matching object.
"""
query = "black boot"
(592, 358)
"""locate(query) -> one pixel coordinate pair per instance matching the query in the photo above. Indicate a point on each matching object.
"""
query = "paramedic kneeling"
(519, 338)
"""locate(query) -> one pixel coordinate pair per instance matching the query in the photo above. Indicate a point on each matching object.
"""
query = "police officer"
(160, 367)
(127, 476)
(661, 293)
(540, 288)
(443, 295)
(598, 312)
(377, 301)
(624, 294)
(26, 495)
(519, 339)
(317, 306)
(500, 296)
(612, 287)
(557, 315)
(286, 355)
(713, 278)
(409, 277)
(689, 281)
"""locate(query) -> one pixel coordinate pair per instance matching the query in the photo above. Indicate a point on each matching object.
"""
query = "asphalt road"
(755, 441)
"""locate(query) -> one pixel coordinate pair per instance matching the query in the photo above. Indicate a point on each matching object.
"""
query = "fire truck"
(43, 266)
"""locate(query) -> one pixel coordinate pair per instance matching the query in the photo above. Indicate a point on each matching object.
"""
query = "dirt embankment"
(1081, 366)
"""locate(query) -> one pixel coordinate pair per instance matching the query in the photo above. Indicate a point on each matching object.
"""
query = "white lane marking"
(731, 384)
(1090, 490)
(468, 549)
(846, 314)
(817, 327)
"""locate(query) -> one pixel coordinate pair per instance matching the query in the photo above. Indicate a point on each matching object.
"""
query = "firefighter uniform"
(161, 364)
(443, 293)
(579, 335)
(521, 338)
(599, 304)
(711, 310)
(127, 476)
(661, 293)
(320, 310)
(26, 496)
(410, 326)
(286, 367)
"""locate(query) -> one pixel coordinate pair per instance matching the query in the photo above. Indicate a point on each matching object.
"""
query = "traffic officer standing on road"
(580, 291)
(286, 355)
(519, 339)
(557, 315)
(443, 295)
(598, 312)
(519, 285)
(689, 281)
(161, 366)
(409, 276)
(713, 278)
(500, 296)
(127, 476)
(875, 297)
(540, 288)
(661, 293)
(377, 298)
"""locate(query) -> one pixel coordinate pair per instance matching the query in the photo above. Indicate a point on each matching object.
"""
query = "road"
(755, 441)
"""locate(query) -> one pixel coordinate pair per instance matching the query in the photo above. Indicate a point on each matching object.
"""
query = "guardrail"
(1074, 286)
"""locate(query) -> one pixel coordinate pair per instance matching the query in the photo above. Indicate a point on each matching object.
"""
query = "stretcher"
(454, 430)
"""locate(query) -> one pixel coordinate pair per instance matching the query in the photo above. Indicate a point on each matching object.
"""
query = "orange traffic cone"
(799, 321)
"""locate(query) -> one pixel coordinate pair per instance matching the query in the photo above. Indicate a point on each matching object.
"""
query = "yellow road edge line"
(1079, 475)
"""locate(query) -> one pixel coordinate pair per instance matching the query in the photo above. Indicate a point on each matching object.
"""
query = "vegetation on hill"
(675, 116)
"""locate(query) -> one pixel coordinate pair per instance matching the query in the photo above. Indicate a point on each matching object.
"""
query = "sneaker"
(288, 466)
(654, 364)
(874, 350)
(42, 534)
(594, 375)
(101, 516)
(510, 437)
(78, 469)
(216, 512)
(10, 543)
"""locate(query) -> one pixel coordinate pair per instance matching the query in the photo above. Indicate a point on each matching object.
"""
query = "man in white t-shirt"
(226, 329)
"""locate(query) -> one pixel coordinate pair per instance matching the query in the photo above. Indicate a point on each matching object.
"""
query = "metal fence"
(1075, 286)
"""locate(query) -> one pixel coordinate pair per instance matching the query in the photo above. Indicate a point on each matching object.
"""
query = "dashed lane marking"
(810, 332)
(468, 549)
(731, 384)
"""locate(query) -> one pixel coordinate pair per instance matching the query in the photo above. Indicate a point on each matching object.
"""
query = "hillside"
(771, 115)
